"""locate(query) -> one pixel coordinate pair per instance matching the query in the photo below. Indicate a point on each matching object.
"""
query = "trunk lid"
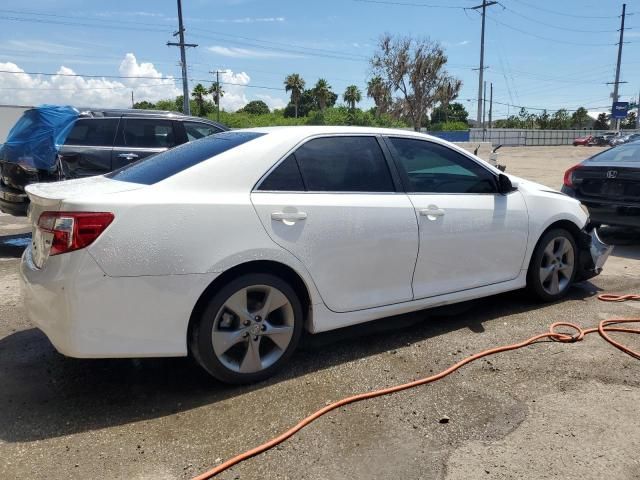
(608, 182)
(50, 197)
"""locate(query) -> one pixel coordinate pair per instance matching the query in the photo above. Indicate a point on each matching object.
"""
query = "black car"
(609, 185)
(101, 141)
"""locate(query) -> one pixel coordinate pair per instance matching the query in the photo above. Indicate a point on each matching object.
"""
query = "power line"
(287, 48)
(78, 24)
(563, 28)
(555, 40)
(412, 4)
(572, 14)
(287, 45)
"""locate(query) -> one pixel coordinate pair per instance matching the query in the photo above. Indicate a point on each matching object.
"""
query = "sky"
(540, 53)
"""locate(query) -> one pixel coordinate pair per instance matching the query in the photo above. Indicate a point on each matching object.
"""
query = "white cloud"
(235, 52)
(25, 89)
(41, 46)
(250, 20)
(234, 88)
(272, 102)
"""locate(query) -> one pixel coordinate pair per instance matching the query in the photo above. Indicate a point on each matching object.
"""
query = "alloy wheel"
(253, 329)
(557, 265)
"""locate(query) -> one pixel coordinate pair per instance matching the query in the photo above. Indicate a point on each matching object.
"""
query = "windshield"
(629, 152)
(166, 164)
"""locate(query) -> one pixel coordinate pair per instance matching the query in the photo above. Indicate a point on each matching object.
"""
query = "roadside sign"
(619, 110)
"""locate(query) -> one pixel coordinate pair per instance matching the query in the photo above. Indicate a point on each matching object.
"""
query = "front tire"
(553, 265)
(248, 329)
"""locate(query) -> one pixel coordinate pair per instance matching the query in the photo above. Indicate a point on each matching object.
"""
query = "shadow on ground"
(46, 395)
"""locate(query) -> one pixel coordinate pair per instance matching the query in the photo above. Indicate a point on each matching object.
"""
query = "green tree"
(447, 93)
(352, 95)
(455, 112)
(416, 69)
(177, 107)
(602, 122)
(144, 105)
(629, 122)
(199, 93)
(255, 107)
(543, 120)
(580, 118)
(322, 93)
(294, 84)
(560, 120)
(379, 91)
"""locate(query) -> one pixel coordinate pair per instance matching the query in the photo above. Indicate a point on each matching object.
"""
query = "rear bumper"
(13, 202)
(592, 254)
(87, 314)
(607, 212)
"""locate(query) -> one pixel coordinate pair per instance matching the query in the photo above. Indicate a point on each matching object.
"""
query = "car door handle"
(432, 212)
(128, 156)
(288, 216)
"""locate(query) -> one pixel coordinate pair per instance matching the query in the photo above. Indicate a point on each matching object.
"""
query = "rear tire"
(553, 265)
(248, 329)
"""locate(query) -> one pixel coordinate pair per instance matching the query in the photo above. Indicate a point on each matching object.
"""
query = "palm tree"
(216, 90)
(352, 96)
(198, 94)
(379, 91)
(321, 91)
(294, 84)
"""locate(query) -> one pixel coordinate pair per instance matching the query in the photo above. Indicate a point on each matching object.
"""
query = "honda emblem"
(612, 174)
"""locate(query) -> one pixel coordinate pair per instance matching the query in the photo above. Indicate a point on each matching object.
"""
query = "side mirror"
(504, 184)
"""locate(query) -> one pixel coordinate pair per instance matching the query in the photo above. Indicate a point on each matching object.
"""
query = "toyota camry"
(228, 247)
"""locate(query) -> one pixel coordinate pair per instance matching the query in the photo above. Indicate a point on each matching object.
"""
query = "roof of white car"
(301, 132)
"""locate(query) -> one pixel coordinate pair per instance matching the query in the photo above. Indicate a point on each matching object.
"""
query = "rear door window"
(344, 164)
(97, 132)
(166, 164)
(146, 133)
(197, 130)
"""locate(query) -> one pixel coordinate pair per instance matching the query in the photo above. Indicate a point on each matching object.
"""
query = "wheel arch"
(281, 270)
(565, 224)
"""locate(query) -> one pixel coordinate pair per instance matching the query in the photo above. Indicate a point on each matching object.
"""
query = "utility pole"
(217, 96)
(620, 43)
(484, 110)
(132, 102)
(484, 6)
(491, 105)
(186, 109)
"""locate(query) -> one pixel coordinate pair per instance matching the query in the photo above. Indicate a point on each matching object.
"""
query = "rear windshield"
(166, 164)
(629, 152)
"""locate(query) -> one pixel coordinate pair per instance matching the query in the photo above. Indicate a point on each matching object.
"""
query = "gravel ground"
(547, 411)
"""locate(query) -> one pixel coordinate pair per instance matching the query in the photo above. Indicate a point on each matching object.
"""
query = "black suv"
(101, 141)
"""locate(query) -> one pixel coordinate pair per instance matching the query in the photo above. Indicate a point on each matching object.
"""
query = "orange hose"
(602, 328)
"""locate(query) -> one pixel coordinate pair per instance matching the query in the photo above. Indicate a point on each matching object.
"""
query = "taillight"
(73, 230)
(569, 179)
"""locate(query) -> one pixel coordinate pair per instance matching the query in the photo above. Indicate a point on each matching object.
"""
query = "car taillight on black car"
(569, 177)
(73, 230)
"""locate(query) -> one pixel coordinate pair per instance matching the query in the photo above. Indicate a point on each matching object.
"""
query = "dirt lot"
(548, 411)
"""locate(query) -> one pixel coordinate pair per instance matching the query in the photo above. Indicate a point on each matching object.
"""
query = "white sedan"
(228, 247)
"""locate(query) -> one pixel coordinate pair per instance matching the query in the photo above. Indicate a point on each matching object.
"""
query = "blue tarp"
(36, 137)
